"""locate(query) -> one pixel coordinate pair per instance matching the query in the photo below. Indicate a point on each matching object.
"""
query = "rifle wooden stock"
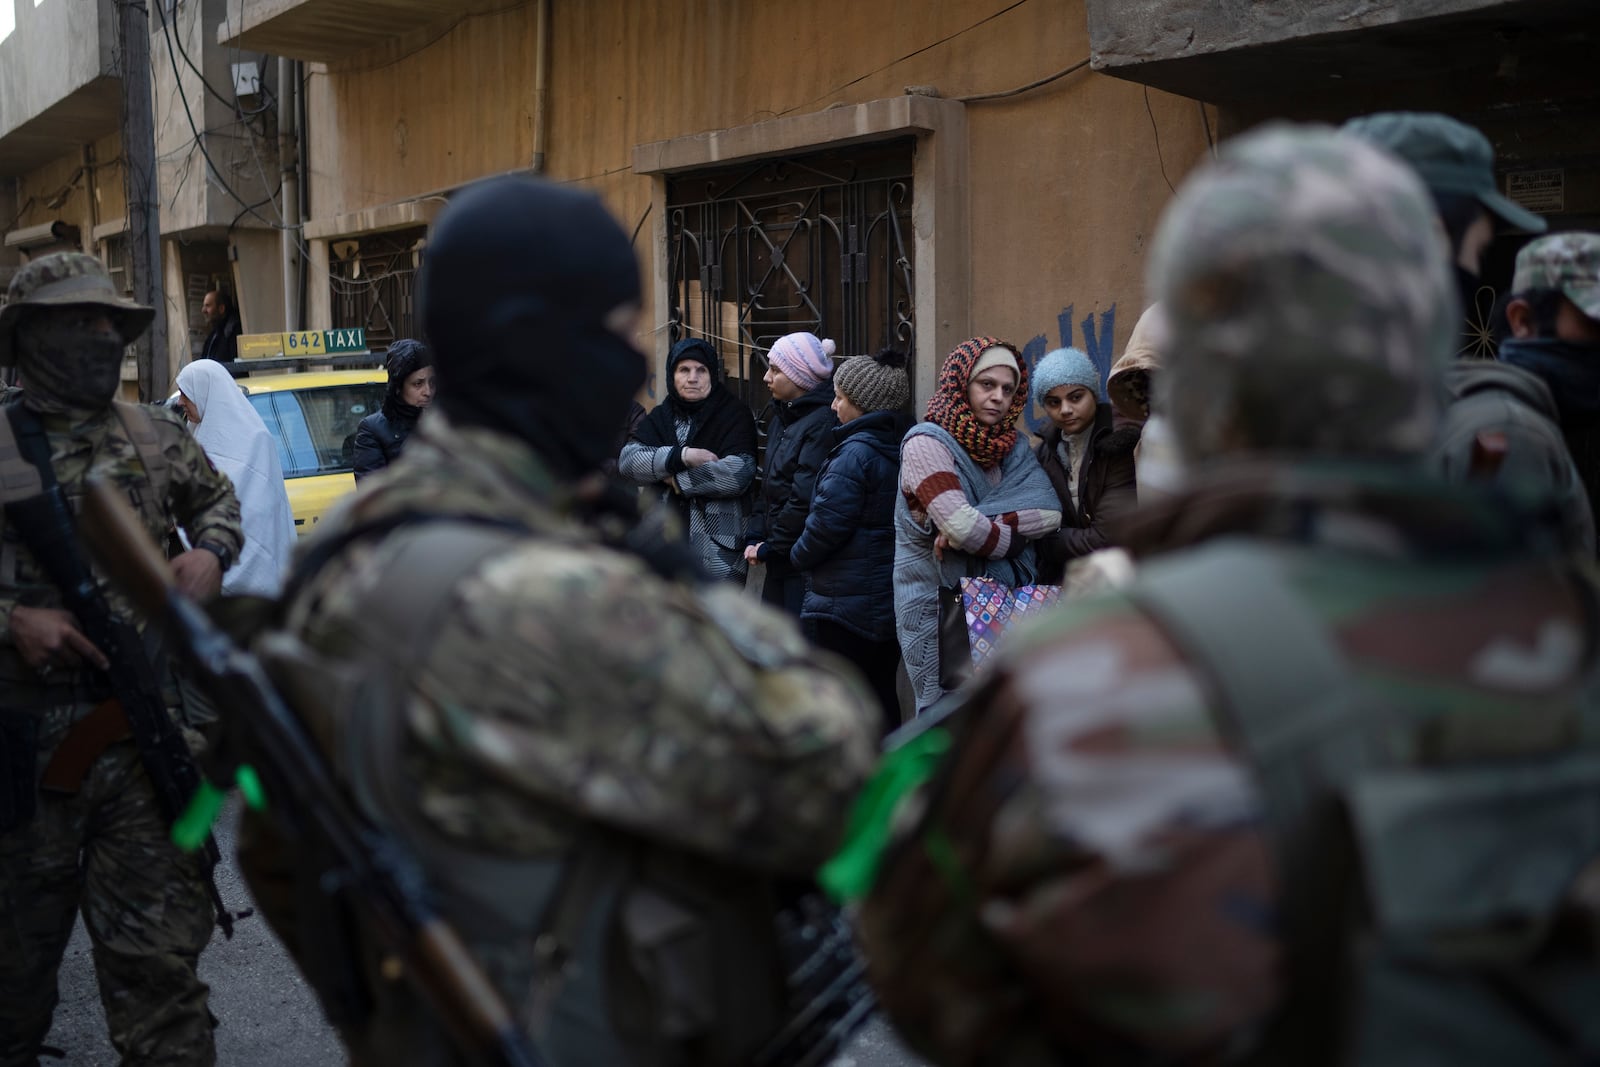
(378, 872)
(121, 545)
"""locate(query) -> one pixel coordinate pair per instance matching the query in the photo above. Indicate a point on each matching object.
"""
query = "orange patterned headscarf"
(951, 411)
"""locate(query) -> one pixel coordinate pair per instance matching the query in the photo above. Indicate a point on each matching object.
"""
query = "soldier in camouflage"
(95, 841)
(1554, 314)
(1298, 794)
(1502, 422)
(566, 689)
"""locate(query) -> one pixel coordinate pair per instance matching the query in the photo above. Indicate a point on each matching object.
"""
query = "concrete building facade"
(1521, 71)
(904, 172)
(63, 169)
(879, 173)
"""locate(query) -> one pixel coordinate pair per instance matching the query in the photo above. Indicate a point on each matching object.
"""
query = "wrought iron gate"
(374, 286)
(819, 242)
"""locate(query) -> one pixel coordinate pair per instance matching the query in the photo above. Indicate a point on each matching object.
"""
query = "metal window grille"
(819, 242)
(373, 280)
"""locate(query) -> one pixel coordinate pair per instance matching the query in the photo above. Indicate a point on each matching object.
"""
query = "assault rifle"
(374, 874)
(45, 524)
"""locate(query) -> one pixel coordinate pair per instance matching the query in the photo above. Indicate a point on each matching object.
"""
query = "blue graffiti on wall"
(1097, 345)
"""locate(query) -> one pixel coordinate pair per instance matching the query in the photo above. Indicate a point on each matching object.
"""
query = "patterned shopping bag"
(992, 608)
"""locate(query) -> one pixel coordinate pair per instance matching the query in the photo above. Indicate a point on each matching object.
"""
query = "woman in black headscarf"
(382, 434)
(698, 450)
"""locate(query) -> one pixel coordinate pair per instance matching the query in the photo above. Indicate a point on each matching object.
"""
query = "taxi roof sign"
(301, 343)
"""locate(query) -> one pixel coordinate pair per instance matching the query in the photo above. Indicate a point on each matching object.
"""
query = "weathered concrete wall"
(1139, 31)
(243, 146)
(255, 270)
(1065, 183)
(57, 49)
(82, 189)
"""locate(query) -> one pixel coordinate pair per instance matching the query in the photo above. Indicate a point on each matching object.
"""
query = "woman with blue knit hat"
(800, 375)
(1089, 463)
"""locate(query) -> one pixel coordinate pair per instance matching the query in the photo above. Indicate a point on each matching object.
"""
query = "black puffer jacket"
(797, 443)
(381, 435)
(1106, 493)
(378, 442)
(848, 543)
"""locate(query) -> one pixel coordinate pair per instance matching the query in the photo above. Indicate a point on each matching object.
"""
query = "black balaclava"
(404, 358)
(701, 352)
(518, 279)
(69, 368)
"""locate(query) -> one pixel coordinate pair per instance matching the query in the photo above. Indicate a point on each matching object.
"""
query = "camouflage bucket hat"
(68, 279)
(1448, 155)
(1309, 303)
(1569, 262)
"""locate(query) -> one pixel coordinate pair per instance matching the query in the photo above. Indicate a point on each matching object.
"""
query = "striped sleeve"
(928, 478)
(643, 464)
(729, 476)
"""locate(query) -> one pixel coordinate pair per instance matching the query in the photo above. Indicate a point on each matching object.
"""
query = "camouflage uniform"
(1566, 262)
(104, 848)
(1109, 869)
(567, 683)
(1501, 425)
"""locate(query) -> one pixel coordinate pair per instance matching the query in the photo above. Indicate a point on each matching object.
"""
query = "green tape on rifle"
(249, 783)
(189, 833)
(849, 875)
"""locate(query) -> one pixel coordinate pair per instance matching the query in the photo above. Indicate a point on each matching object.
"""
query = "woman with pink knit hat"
(800, 375)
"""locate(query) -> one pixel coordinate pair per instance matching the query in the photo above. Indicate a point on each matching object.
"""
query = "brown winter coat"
(1106, 493)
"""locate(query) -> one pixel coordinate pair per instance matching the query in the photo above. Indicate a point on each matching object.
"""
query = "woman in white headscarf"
(237, 441)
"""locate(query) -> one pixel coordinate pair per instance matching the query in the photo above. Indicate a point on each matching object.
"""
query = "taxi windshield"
(316, 428)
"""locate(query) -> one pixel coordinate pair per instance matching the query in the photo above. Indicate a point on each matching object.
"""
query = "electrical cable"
(908, 55)
(1154, 130)
(639, 227)
(188, 113)
(979, 98)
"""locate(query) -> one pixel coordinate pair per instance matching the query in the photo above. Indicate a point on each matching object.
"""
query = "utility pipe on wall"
(289, 172)
(541, 84)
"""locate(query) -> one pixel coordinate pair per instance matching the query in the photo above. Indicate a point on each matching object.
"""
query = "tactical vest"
(1428, 855)
(615, 952)
(19, 480)
(1431, 854)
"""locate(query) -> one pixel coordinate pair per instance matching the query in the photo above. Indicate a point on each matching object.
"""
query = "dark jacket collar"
(788, 411)
(883, 428)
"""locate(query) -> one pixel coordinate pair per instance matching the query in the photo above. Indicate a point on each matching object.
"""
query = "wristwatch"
(224, 557)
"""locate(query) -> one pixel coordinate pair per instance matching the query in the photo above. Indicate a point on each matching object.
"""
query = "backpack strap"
(19, 478)
(1279, 681)
(555, 906)
(1278, 676)
(140, 427)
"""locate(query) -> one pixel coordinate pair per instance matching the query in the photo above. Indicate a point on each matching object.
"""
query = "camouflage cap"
(1569, 262)
(1308, 299)
(1448, 155)
(68, 279)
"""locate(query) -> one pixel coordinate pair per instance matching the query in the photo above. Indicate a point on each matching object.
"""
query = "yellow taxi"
(313, 416)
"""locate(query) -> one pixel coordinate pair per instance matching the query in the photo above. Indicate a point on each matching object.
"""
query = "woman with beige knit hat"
(847, 547)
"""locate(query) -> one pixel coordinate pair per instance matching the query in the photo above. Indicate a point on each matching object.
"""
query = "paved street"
(269, 1016)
